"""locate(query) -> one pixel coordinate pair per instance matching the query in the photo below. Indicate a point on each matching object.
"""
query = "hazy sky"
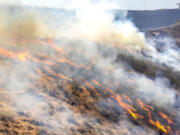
(127, 4)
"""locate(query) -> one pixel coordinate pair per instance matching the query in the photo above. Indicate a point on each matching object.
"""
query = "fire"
(126, 97)
(132, 114)
(158, 125)
(85, 90)
(135, 108)
(92, 88)
(58, 75)
(97, 83)
(4, 52)
(142, 105)
(22, 57)
(166, 117)
(54, 46)
(124, 105)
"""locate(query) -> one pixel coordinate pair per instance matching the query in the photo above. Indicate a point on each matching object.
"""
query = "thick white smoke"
(96, 23)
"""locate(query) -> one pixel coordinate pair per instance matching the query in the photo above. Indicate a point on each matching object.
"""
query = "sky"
(120, 4)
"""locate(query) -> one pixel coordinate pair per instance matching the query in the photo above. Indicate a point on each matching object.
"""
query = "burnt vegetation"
(49, 90)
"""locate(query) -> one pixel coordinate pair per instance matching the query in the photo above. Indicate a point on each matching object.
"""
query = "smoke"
(93, 23)
(98, 25)
(21, 26)
(118, 54)
(152, 90)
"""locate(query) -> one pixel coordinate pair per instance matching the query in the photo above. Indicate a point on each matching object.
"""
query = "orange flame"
(166, 117)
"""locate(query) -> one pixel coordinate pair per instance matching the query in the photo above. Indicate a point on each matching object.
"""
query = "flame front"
(134, 108)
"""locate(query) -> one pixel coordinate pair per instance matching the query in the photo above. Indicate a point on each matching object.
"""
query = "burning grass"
(72, 86)
(88, 96)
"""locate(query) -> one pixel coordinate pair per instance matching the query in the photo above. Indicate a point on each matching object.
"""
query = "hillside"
(152, 19)
(172, 31)
(69, 73)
